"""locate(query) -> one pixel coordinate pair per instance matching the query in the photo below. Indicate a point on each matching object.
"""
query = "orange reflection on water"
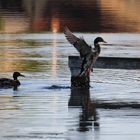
(125, 13)
(8, 65)
(80, 15)
(55, 25)
(7, 57)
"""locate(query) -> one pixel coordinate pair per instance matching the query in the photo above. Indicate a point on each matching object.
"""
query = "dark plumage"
(88, 54)
(11, 83)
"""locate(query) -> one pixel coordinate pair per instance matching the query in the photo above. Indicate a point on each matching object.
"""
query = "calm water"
(40, 110)
(44, 107)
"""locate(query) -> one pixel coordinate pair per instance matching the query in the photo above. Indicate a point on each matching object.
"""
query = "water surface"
(44, 107)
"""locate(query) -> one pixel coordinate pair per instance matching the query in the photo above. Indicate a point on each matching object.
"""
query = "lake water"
(44, 107)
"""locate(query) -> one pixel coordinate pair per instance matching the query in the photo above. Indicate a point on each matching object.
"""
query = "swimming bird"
(11, 83)
(88, 54)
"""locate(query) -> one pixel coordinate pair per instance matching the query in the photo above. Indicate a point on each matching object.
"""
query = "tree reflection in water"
(88, 117)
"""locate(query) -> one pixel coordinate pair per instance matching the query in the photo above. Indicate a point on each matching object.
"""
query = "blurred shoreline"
(80, 16)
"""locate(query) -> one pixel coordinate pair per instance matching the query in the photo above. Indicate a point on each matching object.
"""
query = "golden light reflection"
(54, 57)
(125, 12)
(10, 66)
(14, 24)
(55, 25)
(5, 100)
(7, 62)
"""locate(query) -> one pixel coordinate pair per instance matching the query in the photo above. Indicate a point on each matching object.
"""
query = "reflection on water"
(81, 97)
(79, 15)
(54, 57)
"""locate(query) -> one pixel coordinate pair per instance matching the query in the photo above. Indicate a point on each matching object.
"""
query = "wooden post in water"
(77, 81)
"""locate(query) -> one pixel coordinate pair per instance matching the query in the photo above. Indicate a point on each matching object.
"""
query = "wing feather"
(79, 43)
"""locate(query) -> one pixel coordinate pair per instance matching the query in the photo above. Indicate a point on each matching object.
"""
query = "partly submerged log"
(102, 62)
(106, 63)
(118, 63)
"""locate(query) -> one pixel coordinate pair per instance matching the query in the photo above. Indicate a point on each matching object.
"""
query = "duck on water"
(11, 83)
(88, 54)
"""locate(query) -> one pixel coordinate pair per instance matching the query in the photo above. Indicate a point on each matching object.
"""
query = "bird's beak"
(22, 75)
(104, 42)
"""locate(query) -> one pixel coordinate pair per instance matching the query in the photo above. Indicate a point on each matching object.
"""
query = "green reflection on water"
(24, 65)
(21, 55)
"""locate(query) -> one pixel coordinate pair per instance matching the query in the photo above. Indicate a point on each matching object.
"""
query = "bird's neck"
(15, 78)
(16, 81)
(97, 47)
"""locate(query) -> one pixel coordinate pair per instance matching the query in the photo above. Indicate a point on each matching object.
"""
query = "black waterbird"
(88, 54)
(11, 83)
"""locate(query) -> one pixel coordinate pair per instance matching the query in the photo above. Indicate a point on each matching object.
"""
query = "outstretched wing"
(79, 43)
